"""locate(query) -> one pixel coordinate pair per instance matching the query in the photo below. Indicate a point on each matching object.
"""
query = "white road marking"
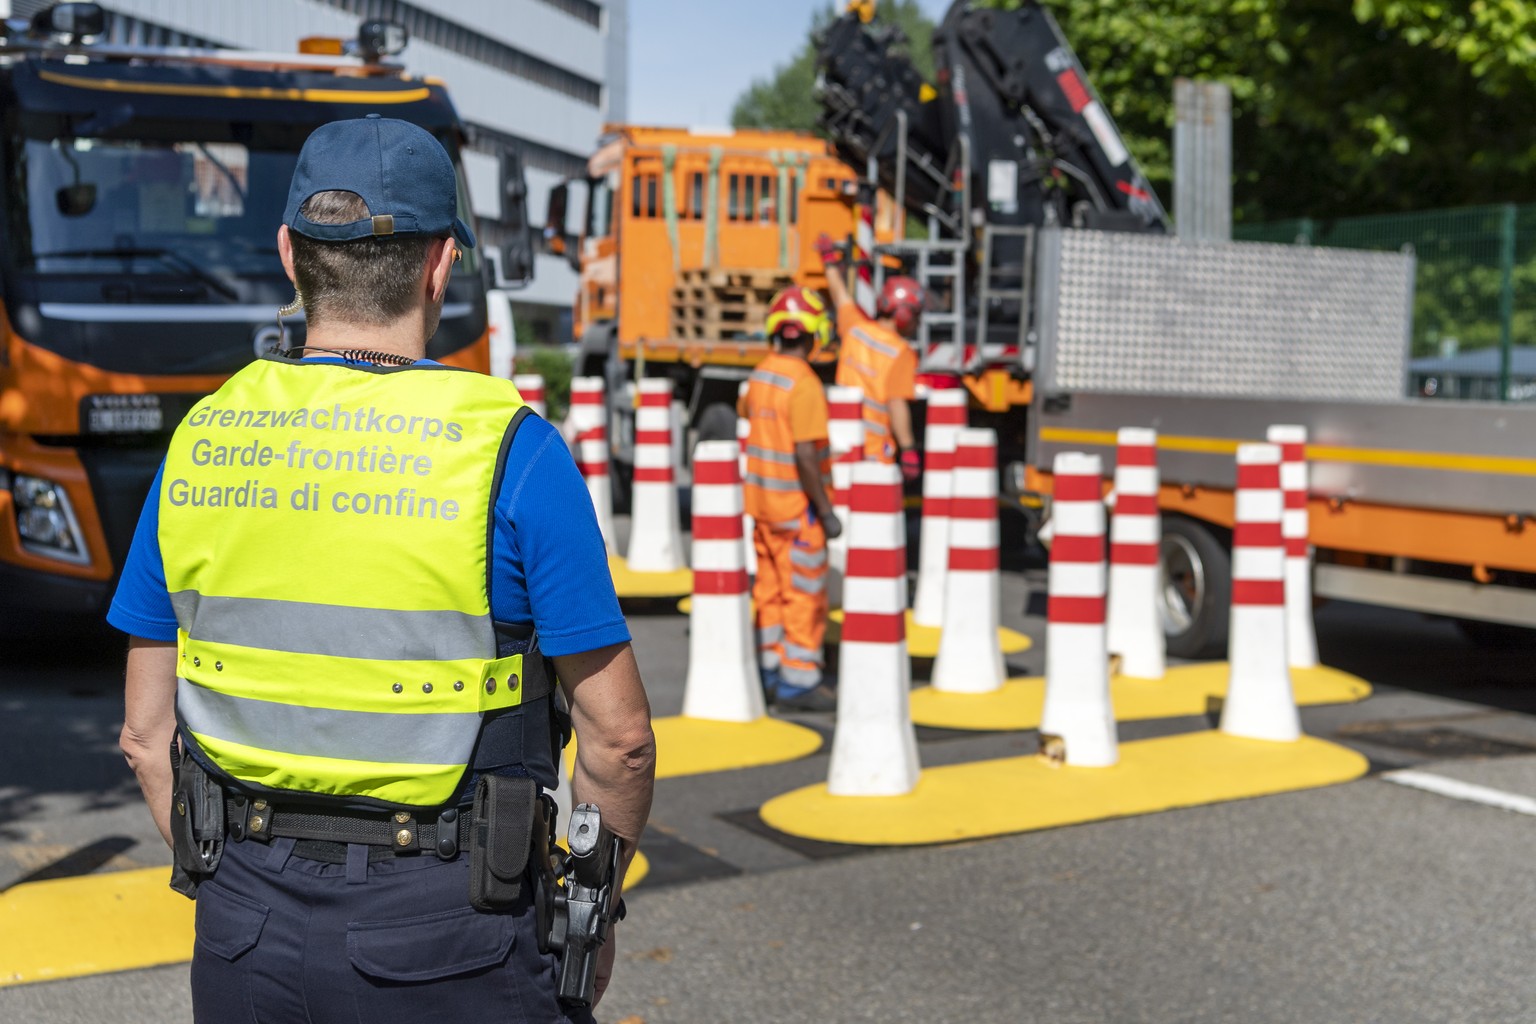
(1443, 786)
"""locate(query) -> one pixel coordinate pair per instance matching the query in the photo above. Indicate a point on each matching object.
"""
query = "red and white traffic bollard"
(1259, 703)
(531, 387)
(588, 430)
(655, 535)
(1078, 714)
(970, 657)
(946, 417)
(1300, 636)
(845, 435)
(1135, 626)
(874, 747)
(723, 680)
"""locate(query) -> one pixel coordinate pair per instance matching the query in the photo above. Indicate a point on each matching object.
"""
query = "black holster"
(197, 823)
(502, 833)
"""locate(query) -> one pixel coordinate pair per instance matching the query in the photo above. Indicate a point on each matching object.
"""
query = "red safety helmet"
(903, 300)
(797, 312)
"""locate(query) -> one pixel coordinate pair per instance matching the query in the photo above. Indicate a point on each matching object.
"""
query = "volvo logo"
(268, 339)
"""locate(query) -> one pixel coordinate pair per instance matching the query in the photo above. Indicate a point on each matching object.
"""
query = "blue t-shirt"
(550, 564)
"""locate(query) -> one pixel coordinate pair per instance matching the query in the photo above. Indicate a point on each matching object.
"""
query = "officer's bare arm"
(901, 424)
(615, 748)
(149, 722)
(808, 466)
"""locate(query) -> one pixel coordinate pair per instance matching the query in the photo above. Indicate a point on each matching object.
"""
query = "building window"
(695, 208)
(582, 10)
(487, 140)
(466, 42)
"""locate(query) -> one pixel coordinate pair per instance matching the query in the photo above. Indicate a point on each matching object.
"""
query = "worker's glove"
(911, 464)
(830, 254)
(832, 525)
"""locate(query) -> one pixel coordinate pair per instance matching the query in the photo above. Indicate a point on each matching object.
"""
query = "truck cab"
(139, 266)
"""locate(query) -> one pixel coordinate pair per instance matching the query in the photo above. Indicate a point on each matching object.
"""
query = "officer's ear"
(285, 250)
(442, 254)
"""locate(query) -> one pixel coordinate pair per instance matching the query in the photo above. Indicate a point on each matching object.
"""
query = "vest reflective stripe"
(768, 483)
(303, 628)
(326, 533)
(875, 343)
(372, 736)
(865, 363)
(777, 380)
(769, 455)
(772, 491)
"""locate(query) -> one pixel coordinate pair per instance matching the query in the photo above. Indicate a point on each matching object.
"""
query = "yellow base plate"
(1023, 794)
(923, 641)
(122, 921)
(648, 584)
(95, 924)
(698, 746)
(1185, 690)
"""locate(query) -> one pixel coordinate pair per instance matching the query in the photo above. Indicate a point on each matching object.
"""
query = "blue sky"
(690, 59)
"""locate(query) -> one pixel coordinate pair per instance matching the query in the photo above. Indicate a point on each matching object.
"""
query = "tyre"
(1196, 595)
(717, 423)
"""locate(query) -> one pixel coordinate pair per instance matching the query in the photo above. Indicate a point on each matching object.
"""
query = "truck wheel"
(717, 423)
(1197, 588)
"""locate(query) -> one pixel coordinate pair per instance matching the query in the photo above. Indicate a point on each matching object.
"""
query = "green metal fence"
(1476, 270)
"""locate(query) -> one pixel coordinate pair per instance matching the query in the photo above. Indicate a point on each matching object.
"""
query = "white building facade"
(542, 74)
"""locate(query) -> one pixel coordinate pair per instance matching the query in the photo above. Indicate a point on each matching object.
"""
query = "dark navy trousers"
(286, 940)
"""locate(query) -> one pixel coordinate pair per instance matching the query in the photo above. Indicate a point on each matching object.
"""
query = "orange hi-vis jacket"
(785, 404)
(880, 363)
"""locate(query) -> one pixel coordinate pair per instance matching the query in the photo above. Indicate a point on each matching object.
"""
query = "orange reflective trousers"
(791, 598)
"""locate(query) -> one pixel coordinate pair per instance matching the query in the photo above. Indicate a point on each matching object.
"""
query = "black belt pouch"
(502, 835)
(197, 824)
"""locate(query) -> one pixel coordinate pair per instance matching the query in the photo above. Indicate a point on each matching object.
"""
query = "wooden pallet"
(762, 278)
(709, 304)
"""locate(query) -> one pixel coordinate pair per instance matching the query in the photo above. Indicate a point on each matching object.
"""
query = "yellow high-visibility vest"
(326, 536)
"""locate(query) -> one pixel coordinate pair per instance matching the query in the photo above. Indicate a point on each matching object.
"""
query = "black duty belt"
(325, 836)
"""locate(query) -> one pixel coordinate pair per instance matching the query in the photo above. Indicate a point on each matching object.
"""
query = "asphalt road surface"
(1368, 902)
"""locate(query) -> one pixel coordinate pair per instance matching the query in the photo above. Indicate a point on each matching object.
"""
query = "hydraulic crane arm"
(1039, 146)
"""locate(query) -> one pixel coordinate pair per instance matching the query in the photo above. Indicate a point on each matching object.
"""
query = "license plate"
(123, 414)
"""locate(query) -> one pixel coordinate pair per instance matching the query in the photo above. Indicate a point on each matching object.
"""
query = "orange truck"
(685, 235)
(140, 268)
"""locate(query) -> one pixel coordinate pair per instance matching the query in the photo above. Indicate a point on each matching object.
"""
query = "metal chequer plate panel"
(1140, 314)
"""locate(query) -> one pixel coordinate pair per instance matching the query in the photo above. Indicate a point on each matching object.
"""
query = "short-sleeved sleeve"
(142, 606)
(551, 562)
(901, 379)
(808, 411)
(849, 316)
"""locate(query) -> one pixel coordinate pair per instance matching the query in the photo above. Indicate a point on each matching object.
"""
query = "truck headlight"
(46, 520)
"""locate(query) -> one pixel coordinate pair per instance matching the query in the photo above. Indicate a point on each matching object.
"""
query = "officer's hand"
(911, 464)
(828, 250)
(832, 525)
(605, 954)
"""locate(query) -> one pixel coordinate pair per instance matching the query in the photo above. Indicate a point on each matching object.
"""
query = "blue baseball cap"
(404, 175)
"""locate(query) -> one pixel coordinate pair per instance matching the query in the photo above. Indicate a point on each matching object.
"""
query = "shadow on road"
(62, 707)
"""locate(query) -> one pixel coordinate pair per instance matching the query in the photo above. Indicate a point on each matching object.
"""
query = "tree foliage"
(1339, 108)
(785, 99)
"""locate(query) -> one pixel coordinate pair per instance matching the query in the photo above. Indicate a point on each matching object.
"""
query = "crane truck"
(1064, 303)
(139, 267)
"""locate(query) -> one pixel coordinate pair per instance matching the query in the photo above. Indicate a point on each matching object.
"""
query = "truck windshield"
(128, 203)
(139, 206)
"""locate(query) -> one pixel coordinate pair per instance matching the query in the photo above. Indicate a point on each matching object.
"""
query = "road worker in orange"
(877, 357)
(787, 488)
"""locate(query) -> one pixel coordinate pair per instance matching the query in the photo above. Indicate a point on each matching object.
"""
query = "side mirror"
(76, 200)
(517, 251)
